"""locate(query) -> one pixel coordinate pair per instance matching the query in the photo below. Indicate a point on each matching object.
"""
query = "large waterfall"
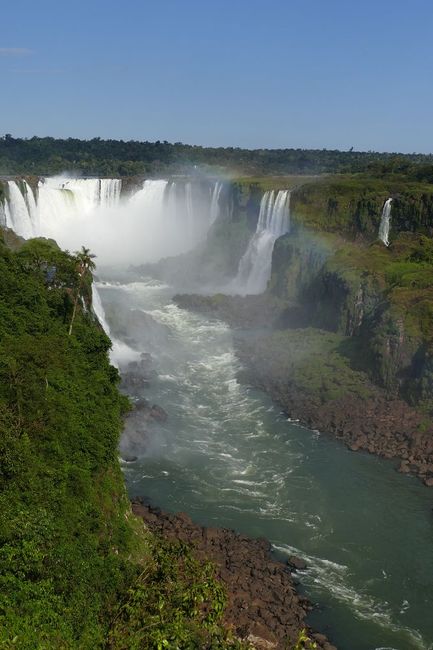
(160, 219)
(385, 220)
(255, 265)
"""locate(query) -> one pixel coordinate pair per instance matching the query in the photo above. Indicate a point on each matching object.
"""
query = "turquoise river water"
(228, 457)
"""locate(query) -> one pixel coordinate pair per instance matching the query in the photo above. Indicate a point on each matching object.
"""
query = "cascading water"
(161, 219)
(20, 209)
(215, 202)
(109, 192)
(61, 199)
(385, 224)
(189, 207)
(58, 199)
(120, 353)
(255, 265)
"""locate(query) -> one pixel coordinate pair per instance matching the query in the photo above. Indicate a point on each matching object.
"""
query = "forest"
(98, 157)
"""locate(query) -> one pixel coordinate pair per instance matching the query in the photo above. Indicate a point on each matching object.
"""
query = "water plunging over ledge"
(385, 222)
(228, 457)
(255, 266)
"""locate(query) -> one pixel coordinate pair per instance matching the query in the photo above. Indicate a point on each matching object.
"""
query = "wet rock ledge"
(263, 605)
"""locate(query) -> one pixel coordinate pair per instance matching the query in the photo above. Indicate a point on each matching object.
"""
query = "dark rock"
(297, 563)
(262, 603)
(158, 413)
(128, 459)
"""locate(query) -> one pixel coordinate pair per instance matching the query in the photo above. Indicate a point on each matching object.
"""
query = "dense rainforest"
(98, 157)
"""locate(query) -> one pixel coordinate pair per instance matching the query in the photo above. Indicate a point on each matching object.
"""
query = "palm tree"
(85, 265)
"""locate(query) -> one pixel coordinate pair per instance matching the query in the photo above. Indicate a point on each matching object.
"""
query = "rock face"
(382, 298)
(263, 605)
(262, 311)
(363, 416)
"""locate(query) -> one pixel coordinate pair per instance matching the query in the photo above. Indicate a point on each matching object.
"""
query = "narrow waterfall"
(255, 266)
(109, 192)
(189, 207)
(120, 353)
(20, 209)
(385, 222)
(215, 204)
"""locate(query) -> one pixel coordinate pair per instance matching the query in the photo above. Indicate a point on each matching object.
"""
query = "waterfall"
(109, 192)
(160, 219)
(151, 198)
(120, 353)
(3, 215)
(189, 208)
(215, 206)
(255, 266)
(385, 220)
(59, 199)
(20, 209)
(31, 206)
(63, 199)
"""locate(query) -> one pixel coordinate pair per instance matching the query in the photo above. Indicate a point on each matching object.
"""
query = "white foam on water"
(335, 579)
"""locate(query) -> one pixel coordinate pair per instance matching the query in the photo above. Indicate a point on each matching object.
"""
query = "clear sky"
(248, 73)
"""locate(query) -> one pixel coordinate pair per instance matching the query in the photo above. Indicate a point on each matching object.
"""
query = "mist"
(161, 219)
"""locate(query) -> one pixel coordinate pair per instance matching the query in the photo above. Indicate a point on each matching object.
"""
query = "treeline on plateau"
(97, 157)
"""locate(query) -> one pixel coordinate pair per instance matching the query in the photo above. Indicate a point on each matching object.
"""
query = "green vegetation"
(304, 641)
(45, 156)
(64, 538)
(351, 205)
(176, 602)
(315, 361)
(346, 281)
(403, 273)
(77, 570)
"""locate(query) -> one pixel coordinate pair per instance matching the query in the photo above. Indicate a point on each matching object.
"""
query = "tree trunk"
(76, 303)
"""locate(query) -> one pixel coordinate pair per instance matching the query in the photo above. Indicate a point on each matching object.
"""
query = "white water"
(161, 219)
(120, 353)
(385, 220)
(215, 206)
(227, 457)
(255, 266)
(20, 210)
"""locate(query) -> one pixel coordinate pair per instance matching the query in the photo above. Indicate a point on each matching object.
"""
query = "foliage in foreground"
(176, 602)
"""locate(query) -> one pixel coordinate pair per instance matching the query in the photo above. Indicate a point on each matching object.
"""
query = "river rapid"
(229, 458)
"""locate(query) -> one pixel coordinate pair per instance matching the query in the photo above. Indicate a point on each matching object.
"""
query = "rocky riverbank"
(370, 422)
(313, 375)
(263, 604)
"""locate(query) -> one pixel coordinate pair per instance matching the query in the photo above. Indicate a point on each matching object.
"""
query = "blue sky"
(248, 73)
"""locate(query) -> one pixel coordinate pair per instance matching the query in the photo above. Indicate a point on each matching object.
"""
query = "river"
(228, 457)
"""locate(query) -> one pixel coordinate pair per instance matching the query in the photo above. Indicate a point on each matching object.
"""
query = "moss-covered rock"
(351, 205)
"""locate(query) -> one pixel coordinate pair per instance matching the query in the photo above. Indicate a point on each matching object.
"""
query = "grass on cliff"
(77, 570)
(314, 361)
(351, 205)
(404, 272)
